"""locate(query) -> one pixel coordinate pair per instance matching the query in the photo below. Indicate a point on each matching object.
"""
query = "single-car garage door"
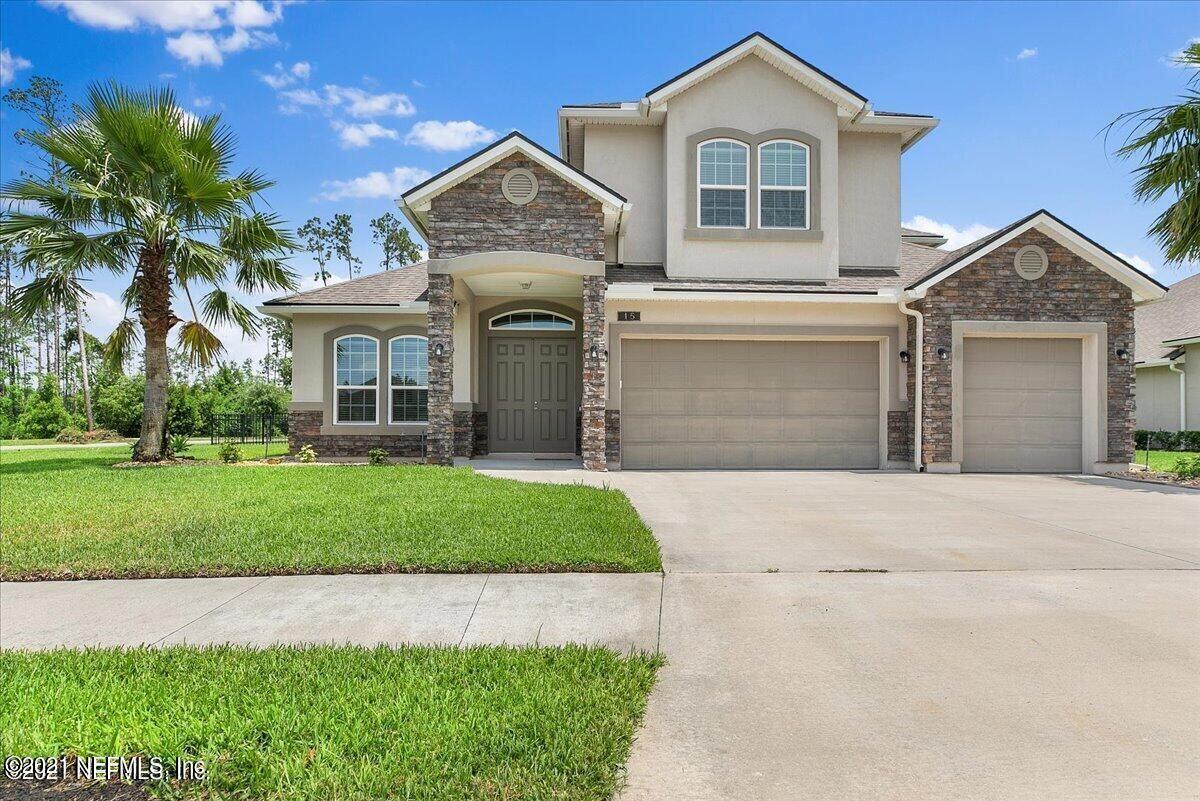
(748, 404)
(1022, 405)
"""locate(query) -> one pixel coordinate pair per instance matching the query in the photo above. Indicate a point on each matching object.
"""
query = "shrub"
(45, 414)
(72, 435)
(1188, 467)
(101, 435)
(230, 453)
(377, 456)
(1167, 440)
(179, 443)
(306, 454)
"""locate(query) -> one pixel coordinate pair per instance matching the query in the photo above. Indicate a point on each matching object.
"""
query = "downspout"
(1174, 368)
(918, 361)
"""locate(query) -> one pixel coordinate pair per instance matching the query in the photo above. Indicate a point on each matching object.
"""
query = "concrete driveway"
(1036, 637)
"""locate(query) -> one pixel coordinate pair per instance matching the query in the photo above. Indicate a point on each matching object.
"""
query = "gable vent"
(1031, 262)
(519, 186)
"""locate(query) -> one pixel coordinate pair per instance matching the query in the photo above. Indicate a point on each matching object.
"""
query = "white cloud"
(1139, 262)
(375, 184)
(104, 312)
(282, 77)
(202, 102)
(1175, 58)
(10, 65)
(359, 103)
(1028, 52)
(360, 135)
(418, 84)
(955, 237)
(302, 69)
(453, 135)
(199, 23)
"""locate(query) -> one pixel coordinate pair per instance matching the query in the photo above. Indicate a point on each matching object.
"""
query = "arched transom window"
(409, 360)
(783, 185)
(531, 320)
(724, 184)
(356, 379)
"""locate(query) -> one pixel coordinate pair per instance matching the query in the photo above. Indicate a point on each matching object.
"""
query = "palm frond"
(120, 344)
(197, 260)
(220, 308)
(258, 275)
(198, 344)
(50, 290)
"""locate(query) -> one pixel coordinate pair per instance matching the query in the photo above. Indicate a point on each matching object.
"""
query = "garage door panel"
(1022, 404)
(750, 404)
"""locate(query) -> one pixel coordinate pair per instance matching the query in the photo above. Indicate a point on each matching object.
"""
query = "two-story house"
(714, 275)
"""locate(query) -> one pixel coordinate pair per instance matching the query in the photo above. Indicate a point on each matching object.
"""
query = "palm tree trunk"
(83, 368)
(154, 306)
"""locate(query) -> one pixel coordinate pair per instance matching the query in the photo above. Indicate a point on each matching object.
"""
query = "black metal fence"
(247, 429)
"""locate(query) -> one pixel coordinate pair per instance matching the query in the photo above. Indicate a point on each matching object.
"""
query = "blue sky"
(347, 103)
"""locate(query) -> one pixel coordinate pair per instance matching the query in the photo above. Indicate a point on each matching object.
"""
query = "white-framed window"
(356, 380)
(723, 184)
(408, 360)
(783, 184)
(531, 320)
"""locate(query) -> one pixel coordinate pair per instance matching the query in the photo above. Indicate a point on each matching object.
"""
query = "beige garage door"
(745, 404)
(1022, 405)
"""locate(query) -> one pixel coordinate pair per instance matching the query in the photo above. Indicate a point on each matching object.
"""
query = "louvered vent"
(1031, 262)
(520, 186)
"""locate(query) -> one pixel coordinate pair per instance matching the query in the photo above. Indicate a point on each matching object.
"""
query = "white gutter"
(918, 361)
(1174, 368)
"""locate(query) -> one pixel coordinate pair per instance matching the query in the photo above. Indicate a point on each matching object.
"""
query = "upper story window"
(783, 185)
(531, 320)
(356, 378)
(724, 175)
(409, 382)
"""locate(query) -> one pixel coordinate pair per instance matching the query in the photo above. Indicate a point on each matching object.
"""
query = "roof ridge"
(347, 282)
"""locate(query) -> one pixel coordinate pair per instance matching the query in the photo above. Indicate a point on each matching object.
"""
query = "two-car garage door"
(749, 404)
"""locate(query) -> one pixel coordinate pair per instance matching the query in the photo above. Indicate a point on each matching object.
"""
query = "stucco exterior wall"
(309, 375)
(1157, 399)
(1192, 368)
(868, 199)
(751, 96)
(628, 158)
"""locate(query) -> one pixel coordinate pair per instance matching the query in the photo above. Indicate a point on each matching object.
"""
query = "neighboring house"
(714, 275)
(1168, 359)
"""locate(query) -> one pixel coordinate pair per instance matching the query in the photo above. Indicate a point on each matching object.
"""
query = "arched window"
(356, 379)
(409, 370)
(531, 320)
(782, 185)
(723, 176)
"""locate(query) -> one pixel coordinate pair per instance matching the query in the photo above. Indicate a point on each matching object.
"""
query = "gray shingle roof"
(1175, 316)
(915, 260)
(402, 285)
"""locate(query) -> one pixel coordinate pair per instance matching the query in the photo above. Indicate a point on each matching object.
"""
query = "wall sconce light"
(943, 353)
(526, 284)
(1122, 354)
(904, 357)
(439, 349)
(594, 351)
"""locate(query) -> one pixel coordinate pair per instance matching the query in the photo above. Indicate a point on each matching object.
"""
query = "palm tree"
(1167, 141)
(147, 192)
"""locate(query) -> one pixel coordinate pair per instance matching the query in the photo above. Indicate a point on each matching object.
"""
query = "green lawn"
(68, 514)
(1163, 461)
(49, 441)
(340, 723)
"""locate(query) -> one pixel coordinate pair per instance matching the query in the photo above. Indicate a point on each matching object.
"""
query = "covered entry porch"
(517, 357)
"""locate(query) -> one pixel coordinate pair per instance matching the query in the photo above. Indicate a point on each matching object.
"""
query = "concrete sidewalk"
(620, 611)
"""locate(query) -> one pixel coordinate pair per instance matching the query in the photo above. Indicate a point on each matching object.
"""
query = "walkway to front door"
(531, 402)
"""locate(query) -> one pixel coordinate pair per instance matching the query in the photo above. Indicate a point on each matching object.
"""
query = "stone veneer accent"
(1072, 290)
(475, 217)
(612, 436)
(595, 374)
(304, 428)
(899, 436)
(440, 330)
(470, 434)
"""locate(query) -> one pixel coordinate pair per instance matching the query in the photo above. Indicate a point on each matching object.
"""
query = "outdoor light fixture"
(943, 353)
(904, 357)
(439, 349)
(1122, 354)
(594, 351)
(526, 284)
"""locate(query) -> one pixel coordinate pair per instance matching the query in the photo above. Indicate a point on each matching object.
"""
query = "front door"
(531, 400)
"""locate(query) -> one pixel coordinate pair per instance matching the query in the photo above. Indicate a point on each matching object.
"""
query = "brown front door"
(531, 400)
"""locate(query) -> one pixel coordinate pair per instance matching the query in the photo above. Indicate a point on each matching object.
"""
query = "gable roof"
(416, 200)
(400, 287)
(1160, 326)
(773, 53)
(1143, 286)
(921, 237)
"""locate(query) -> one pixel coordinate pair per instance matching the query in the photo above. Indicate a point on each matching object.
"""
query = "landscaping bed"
(338, 722)
(1163, 467)
(69, 515)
